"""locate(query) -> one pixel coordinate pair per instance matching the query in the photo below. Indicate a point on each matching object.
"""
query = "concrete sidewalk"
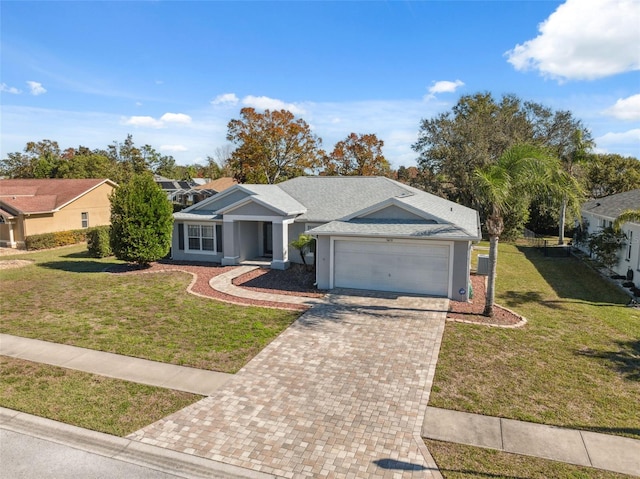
(197, 381)
(584, 448)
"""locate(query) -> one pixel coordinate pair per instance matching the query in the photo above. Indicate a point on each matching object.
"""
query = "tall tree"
(474, 134)
(272, 146)
(357, 155)
(522, 173)
(628, 216)
(609, 174)
(141, 221)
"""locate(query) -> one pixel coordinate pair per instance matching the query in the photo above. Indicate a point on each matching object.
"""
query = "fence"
(550, 250)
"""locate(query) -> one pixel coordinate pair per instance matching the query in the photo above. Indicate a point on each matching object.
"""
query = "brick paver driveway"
(341, 393)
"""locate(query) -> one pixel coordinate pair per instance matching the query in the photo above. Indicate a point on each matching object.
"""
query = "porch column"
(281, 243)
(230, 248)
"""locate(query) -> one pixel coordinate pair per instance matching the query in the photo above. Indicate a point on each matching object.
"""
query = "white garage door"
(407, 267)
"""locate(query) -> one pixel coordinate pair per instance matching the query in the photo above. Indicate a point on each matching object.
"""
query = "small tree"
(303, 244)
(141, 221)
(606, 245)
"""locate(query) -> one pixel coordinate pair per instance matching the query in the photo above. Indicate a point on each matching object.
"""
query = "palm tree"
(628, 216)
(522, 173)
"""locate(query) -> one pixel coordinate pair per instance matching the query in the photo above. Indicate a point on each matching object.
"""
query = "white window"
(629, 244)
(85, 219)
(201, 237)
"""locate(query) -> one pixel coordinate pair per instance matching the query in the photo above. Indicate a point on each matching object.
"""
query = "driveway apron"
(341, 393)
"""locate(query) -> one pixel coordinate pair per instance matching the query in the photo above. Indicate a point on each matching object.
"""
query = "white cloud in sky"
(626, 143)
(176, 118)
(583, 40)
(173, 148)
(143, 121)
(266, 103)
(225, 99)
(36, 88)
(626, 108)
(150, 122)
(443, 86)
(9, 89)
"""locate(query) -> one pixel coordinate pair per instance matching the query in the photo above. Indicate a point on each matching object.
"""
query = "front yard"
(65, 297)
(575, 364)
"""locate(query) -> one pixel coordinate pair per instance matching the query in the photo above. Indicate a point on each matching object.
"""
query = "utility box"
(483, 264)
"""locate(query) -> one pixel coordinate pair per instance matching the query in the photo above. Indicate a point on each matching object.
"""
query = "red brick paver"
(340, 393)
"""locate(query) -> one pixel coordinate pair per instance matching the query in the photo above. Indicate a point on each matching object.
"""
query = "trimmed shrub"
(52, 240)
(98, 242)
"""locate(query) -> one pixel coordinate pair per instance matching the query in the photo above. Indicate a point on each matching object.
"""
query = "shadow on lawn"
(625, 360)
(571, 280)
(89, 266)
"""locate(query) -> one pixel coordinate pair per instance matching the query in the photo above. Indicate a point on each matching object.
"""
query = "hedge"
(98, 242)
(59, 238)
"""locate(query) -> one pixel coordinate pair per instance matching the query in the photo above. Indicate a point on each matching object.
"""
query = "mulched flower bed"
(202, 273)
(295, 281)
(472, 311)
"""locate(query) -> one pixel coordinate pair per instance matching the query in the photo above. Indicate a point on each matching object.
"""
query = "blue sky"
(173, 74)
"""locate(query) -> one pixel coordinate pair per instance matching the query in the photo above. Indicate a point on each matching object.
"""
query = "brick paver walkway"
(341, 393)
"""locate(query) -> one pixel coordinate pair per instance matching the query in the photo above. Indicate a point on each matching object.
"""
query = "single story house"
(36, 206)
(601, 213)
(372, 232)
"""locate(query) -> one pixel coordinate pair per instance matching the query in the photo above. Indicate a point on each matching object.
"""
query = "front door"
(267, 237)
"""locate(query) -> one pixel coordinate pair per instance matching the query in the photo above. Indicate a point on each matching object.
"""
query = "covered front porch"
(260, 238)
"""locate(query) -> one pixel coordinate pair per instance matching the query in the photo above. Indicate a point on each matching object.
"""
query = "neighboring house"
(211, 188)
(372, 232)
(180, 191)
(601, 213)
(35, 206)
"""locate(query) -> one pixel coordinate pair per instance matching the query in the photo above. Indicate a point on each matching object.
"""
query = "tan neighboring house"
(35, 206)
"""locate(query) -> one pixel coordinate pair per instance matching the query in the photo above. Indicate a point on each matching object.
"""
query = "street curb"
(122, 449)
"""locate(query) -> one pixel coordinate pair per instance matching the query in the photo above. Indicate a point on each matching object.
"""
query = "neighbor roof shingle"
(44, 195)
(612, 206)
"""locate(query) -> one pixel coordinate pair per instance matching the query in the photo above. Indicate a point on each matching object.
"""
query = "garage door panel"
(387, 266)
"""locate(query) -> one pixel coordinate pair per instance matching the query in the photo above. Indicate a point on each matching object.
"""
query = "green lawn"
(576, 364)
(85, 400)
(65, 297)
(457, 461)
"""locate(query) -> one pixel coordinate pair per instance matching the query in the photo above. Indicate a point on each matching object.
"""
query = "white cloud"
(176, 118)
(626, 108)
(225, 99)
(266, 103)
(144, 121)
(9, 89)
(174, 148)
(150, 122)
(626, 143)
(583, 40)
(443, 86)
(36, 88)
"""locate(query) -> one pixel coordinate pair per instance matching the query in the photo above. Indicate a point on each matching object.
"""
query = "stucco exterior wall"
(460, 274)
(632, 230)
(323, 261)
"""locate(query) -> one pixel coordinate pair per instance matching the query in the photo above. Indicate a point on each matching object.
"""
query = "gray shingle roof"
(380, 227)
(276, 197)
(611, 206)
(331, 197)
(197, 215)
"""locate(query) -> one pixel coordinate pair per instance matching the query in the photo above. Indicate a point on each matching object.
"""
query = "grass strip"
(458, 461)
(86, 400)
